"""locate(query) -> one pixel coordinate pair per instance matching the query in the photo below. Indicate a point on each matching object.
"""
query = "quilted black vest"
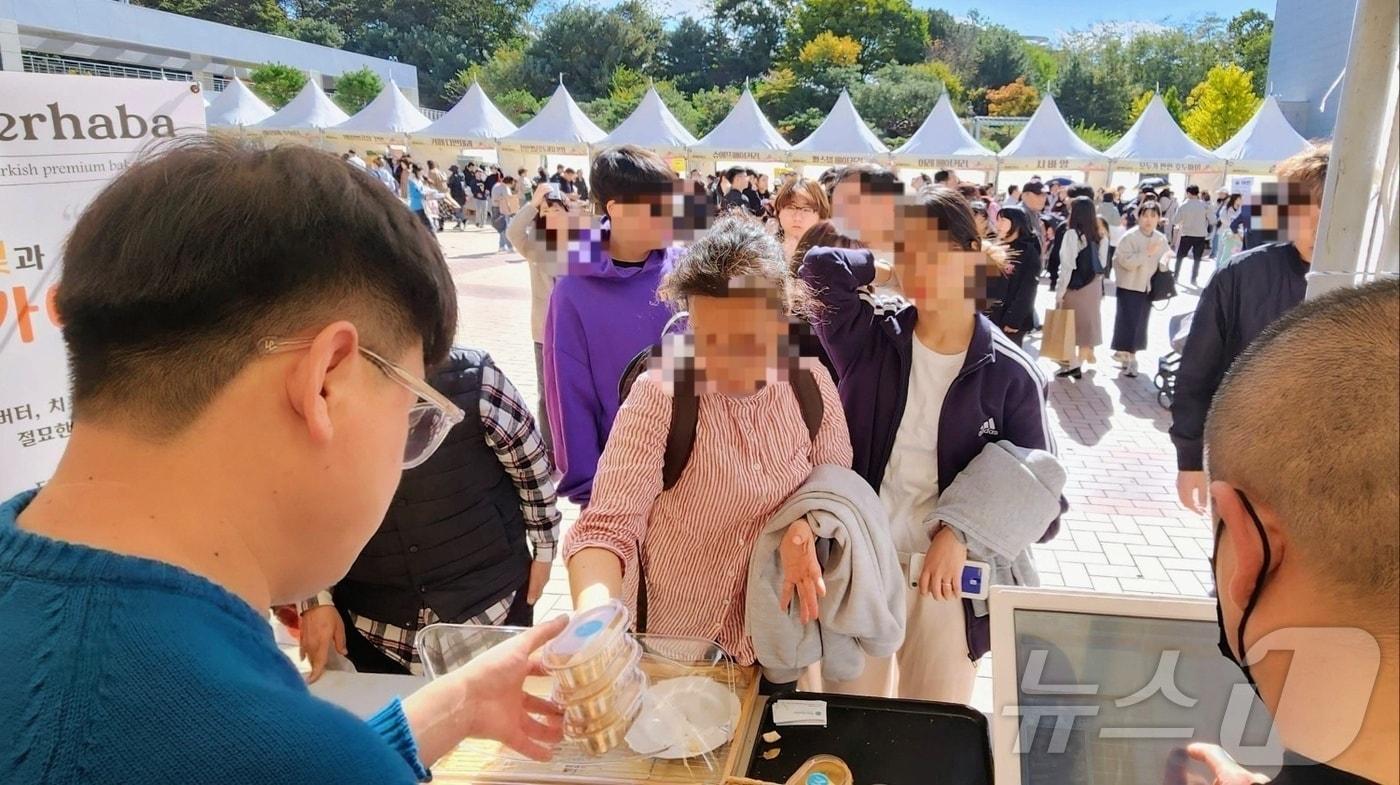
(453, 539)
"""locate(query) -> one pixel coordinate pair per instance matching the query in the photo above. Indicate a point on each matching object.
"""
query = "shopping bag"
(1057, 336)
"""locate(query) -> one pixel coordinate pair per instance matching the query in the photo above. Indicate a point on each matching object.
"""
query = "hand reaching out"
(802, 573)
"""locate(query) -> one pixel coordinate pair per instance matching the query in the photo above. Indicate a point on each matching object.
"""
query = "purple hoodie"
(600, 317)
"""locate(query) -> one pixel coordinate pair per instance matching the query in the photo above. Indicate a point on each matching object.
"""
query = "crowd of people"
(839, 359)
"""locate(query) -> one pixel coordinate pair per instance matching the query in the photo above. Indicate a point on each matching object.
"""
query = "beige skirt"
(1088, 324)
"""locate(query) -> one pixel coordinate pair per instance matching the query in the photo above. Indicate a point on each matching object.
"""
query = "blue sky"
(1050, 17)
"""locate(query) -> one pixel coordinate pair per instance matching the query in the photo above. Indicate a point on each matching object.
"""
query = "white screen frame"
(1003, 603)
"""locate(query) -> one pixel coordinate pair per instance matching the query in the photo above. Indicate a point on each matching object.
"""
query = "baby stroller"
(1178, 327)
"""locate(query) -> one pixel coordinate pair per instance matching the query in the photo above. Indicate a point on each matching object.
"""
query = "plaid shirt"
(510, 431)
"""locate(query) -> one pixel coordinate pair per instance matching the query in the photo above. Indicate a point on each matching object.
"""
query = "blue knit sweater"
(119, 670)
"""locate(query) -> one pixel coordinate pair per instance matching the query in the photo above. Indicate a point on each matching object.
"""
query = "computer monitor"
(1094, 689)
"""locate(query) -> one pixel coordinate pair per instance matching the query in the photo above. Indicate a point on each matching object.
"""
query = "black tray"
(884, 741)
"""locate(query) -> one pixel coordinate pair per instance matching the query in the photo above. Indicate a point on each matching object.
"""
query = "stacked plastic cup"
(598, 677)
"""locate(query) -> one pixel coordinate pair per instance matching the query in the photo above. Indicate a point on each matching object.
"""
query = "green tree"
(316, 31)
(354, 89)
(1251, 35)
(745, 35)
(953, 42)
(586, 46)
(1091, 90)
(1097, 138)
(1016, 99)
(896, 100)
(517, 105)
(1220, 105)
(266, 16)
(1041, 65)
(276, 83)
(1170, 98)
(505, 71)
(711, 106)
(688, 55)
(440, 37)
(1176, 57)
(887, 30)
(1001, 57)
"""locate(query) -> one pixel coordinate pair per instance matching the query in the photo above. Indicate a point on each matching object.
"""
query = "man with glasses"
(452, 547)
(247, 387)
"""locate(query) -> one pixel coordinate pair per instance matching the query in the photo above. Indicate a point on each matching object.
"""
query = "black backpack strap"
(809, 400)
(680, 441)
(685, 414)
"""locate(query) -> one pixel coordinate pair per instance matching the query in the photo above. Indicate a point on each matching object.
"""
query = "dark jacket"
(1017, 305)
(453, 539)
(999, 393)
(1245, 296)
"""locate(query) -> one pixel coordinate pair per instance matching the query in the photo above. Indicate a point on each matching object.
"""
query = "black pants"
(1108, 266)
(428, 222)
(1197, 246)
(368, 658)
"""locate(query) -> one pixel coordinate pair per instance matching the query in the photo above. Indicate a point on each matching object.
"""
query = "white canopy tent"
(473, 122)
(236, 107)
(943, 143)
(651, 125)
(842, 138)
(743, 135)
(306, 116)
(1156, 143)
(1265, 140)
(560, 128)
(389, 118)
(1047, 144)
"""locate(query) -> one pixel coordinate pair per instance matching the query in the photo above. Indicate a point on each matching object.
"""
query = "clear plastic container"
(446, 647)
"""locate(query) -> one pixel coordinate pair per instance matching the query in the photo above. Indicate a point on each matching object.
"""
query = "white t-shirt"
(909, 488)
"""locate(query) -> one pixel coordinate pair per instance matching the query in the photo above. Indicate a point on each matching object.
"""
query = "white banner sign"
(62, 139)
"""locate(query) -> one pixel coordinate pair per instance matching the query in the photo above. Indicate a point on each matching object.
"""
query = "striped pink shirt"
(750, 455)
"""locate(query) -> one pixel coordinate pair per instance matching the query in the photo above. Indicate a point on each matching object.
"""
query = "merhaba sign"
(62, 139)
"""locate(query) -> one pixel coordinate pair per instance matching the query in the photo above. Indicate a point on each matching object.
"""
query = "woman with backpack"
(1080, 286)
(926, 384)
(680, 534)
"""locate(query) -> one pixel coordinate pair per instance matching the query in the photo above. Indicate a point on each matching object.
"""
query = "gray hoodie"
(863, 612)
(999, 505)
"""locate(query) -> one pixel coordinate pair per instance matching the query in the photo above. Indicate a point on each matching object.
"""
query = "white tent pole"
(1354, 224)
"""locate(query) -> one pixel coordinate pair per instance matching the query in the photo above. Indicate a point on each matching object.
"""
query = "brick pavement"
(1124, 532)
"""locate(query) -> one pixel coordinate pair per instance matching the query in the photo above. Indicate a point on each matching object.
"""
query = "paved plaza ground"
(1124, 531)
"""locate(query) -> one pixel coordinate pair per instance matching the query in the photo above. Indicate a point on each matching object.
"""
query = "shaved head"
(1308, 423)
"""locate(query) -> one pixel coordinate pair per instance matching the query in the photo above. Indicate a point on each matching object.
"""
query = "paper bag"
(1057, 335)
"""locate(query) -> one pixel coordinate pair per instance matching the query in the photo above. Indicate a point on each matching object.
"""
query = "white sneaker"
(1131, 370)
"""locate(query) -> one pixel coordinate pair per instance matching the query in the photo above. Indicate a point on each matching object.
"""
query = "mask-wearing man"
(1304, 487)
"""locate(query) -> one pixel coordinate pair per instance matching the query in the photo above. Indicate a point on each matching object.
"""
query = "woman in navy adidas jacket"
(925, 385)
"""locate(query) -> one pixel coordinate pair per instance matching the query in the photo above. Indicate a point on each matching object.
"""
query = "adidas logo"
(989, 428)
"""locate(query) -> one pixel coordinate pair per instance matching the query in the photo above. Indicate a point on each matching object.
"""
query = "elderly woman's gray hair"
(736, 255)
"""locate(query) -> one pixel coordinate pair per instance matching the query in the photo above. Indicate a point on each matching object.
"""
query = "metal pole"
(1358, 216)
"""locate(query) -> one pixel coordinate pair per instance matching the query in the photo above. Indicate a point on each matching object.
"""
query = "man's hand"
(1191, 490)
(943, 566)
(486, 699)
(1224, 767)
(802, 573)
(539, 576)
(321, 628)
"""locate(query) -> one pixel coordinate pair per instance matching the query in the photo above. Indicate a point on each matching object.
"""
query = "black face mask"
(1253, 595)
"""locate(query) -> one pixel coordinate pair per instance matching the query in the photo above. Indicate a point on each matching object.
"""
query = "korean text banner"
(62, 139)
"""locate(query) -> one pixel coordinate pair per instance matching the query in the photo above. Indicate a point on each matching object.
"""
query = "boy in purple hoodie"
(602, 313)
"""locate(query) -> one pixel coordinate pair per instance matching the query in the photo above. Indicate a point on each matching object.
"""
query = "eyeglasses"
(804, 208)
(428, 421)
